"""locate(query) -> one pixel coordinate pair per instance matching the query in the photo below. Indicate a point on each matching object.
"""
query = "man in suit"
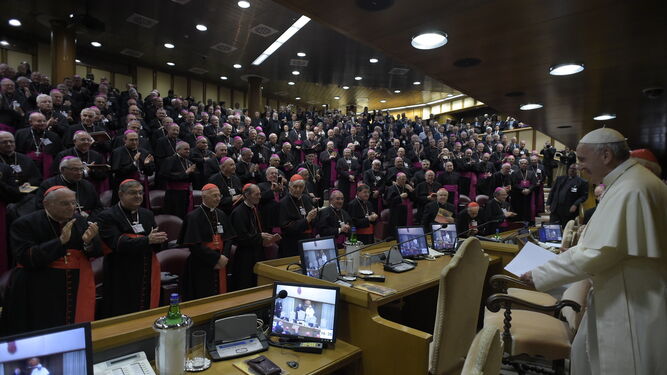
(566, 195)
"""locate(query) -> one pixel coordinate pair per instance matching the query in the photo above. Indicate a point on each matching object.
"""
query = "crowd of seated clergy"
(264, 178)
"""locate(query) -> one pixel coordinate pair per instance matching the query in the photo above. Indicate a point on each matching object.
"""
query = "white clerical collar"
(612, 176)
(209, 208)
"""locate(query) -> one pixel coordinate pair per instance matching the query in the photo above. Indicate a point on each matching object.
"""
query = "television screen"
(415, 241)
(307, 313)
(550, 233)
(60, 350)
(445, 238)
(315, 253)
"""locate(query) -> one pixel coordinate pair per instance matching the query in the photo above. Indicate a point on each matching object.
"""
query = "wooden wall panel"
(121, 81)
(99, 74)
(14, 58)
(44, 59)
(81, 70)
(196, 89)
(144, 80)
(211, 92)
(180, 86)
(163, 83)
(225, 96)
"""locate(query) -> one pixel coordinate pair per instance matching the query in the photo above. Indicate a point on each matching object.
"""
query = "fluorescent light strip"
(301, 22)
(423, 105)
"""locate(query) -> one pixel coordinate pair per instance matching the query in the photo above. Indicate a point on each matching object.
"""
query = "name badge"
(348, 161)
(473, 223)
(302, 211)
(138, 228)
(46, 141)
(574, 189)
(219, 229)
(377, 178)
(232, 191)
(16, 168)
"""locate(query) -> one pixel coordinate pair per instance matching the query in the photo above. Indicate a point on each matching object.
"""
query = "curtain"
(74, 363)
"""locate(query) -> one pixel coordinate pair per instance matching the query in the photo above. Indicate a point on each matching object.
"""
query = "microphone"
(479, 226)
(332, 272)
(281, 295)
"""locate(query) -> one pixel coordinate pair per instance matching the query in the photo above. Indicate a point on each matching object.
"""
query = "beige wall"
(14, 58)
(212, 92)
(121, 81)
(80, 70)
(99, 74)
(144, 80)
(196, 88)
(180, 85)
(44, 59)
(226, 95)
(163, 83)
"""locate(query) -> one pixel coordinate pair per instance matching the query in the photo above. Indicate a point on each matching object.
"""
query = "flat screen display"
(315, 253)
(308, 312)
(445, 238)
(60, 350)
(550, 233)
(415, 241)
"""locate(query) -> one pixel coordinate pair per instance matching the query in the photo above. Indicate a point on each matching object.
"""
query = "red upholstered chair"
(157, 200)
(382, 224)
(196, 198)
(171, 225)
(172, 268)
(105, 198)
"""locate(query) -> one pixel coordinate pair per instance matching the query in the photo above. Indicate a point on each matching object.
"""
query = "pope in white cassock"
(623, 250)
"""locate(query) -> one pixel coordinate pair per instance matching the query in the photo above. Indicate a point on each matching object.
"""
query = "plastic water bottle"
(353, 235)
(497, 236)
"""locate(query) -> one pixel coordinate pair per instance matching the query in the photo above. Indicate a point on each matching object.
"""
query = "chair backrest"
(485, 355)
(577, 292)
(173, 260)
(157, 199)
(105, 198)
(482, 199)
(568, 234)
(170, 224)
(196, 198)
(459, 301)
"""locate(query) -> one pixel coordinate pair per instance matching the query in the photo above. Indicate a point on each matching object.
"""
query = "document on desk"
(530, 256)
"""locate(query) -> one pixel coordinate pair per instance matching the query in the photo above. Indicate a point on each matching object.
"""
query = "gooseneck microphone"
(330, 273)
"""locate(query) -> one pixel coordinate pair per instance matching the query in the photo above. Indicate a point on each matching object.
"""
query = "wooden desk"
(114, 333)
(388, 347)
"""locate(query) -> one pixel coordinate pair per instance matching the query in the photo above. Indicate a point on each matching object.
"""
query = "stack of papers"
(531, 256)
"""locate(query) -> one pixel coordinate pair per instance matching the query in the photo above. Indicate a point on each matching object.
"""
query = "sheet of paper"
(529, 257)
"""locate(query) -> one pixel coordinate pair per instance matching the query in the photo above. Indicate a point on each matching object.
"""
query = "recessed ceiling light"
(383, 101)
(237, 66)
(358, 78)
(170, 63)
(71, 15)
(324, 105)
(397, 91)
(604, 117)
(224, 78)
(336, 97)
(290, 83)
(566, 69)
(96, 44)
(346, 87)
(530, 106)
(14, 22)
(77, 61)
(416, 83)
(373, 60)
(282, 39)
(297, 98)
(295, 73)
(243, 4)
(201, 27)
(301, 54)
(429, 40)
(168, 45)
(4, 43)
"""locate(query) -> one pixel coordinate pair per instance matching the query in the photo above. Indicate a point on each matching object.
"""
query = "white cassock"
(624, 252)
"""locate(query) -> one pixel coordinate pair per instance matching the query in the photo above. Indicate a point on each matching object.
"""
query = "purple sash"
(408, 204)
(417, 165)
(7, 128)
(183, 186)
(4, 257)
(101, 186)
(539, 199)
(473, 183)
(334, 173)
(353, 186)
(298, 142)
(453, 189)
(44, 160)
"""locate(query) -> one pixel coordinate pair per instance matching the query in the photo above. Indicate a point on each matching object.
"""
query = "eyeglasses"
(75, 169)
(134, 192)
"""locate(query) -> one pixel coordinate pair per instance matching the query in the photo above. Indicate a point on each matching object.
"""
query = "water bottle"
(353, 235)
(497, 236)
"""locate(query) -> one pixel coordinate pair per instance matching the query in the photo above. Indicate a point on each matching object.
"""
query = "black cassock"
(200, 157)
(398, 212)
(229, 187)
(86, 196)
(521, 204)
(329, 221)
(179, 185)
(101, 147)
(431, 211)
(38, 294)
(129, 263)
(269, 206)
(293, 223)
(249, 246)
(359, 211)
(200, 225)
(422, 193)
(26, 171)
(123, 167)
(90, 157)
(449, 178)
(346, 168)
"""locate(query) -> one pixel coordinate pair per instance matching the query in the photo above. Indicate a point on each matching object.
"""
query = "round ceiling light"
(243, 4)
(324, 105)
(170, 63)
(373, 60)
(429, 40)
(290, 83)
(416, 83)
(237, 66)
(358, 78)
(201, 27)
(397, 91)
(383, 101)
(295, 73)
(297, 98)
(77, 61)
(14, 22)
(604, 117)
(566, 69)
(336, 97)
(301, 54)
(530, 106)
(224, 78)
(4, 43)
(346, 87)
(169, 45)
(96, 44)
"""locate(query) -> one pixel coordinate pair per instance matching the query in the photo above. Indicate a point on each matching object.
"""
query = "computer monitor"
(443, 239)
(315, 252)
(415, 242)
(550, 233)
(60, 350)
(307, 313)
